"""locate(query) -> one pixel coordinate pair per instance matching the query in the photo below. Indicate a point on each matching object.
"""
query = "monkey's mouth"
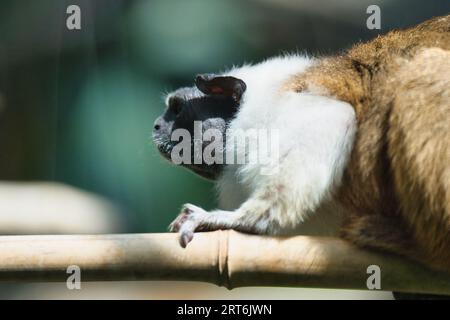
(165, 149)
(210, 172)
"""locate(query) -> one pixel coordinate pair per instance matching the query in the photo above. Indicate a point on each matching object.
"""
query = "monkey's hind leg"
(387, 234)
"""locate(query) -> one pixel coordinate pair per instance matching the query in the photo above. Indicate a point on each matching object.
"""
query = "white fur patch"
(316, 137)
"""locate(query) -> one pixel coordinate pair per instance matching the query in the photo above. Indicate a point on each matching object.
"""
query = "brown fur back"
(397, 185)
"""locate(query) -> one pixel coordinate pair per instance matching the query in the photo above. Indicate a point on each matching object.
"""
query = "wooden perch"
(225, 258)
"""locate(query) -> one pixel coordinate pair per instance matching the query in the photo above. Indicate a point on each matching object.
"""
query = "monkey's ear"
(228, 86)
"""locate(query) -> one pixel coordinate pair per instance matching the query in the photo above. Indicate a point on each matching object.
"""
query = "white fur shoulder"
(316, 135)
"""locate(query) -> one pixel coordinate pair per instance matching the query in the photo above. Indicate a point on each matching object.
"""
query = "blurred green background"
(78, 106)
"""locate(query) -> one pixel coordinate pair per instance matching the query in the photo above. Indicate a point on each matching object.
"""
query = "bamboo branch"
(225, 258)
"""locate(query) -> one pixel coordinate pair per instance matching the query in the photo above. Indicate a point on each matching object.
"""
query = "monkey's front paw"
(188, 221)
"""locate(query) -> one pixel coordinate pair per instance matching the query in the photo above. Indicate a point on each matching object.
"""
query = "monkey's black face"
(195, 110)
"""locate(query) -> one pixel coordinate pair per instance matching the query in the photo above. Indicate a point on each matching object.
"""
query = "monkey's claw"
(187, 222)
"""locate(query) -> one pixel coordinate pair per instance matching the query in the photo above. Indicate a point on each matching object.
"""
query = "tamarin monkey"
(368, 129)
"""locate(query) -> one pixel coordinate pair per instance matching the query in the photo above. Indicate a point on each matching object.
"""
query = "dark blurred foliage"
(78, 106)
